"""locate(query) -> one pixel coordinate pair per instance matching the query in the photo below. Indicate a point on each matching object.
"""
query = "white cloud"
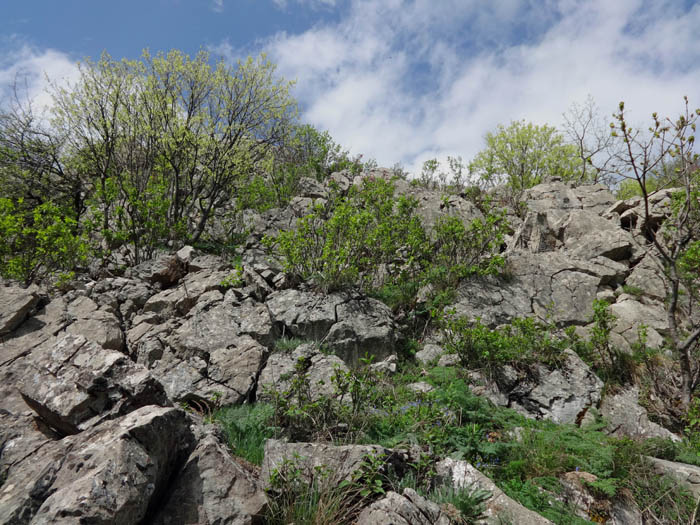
(217, 6)
(25, 71)
(314, 4)
(403, 80)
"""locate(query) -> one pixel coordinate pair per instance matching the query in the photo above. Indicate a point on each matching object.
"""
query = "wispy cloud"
(314, 4)
(218, 6)
(406, 80)
(25, 71)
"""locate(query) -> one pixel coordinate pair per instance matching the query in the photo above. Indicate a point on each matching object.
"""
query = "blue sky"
(396, 80)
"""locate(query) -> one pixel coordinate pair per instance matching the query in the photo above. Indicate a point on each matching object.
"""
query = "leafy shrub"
(38, 242)
(350, 239)
(523, 341)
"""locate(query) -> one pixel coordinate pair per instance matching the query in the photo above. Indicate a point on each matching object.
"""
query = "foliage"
(235, 278)
(350, 239)
(38, 242)
(523, 341)
(247, 427)
(668, 147)
(521, 156)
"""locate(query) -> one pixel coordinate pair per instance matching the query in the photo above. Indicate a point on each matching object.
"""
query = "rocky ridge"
(93, 380)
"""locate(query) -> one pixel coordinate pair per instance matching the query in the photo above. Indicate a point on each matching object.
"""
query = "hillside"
(377, 350)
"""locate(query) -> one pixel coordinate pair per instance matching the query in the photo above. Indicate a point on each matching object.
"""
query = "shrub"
(38, 242)
(247, 427)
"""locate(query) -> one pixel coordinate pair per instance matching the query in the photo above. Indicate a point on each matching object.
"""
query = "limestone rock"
(77, 385)
(15, 304)
(430, 352)
(499, 507)
(276, 376)
(626, 418)
(114, 473)
(96, 324)
(213, 488)
(408, 508)
(689, 475)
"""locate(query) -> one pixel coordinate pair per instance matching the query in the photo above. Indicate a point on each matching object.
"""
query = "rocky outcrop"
(320, 369)
(213, 488)
(15, 305)
(351, 326)
(562, 394)
(499, 507)
(407, 508)
(75, 385)
(688, 475)
(117, 472)
(626, 417)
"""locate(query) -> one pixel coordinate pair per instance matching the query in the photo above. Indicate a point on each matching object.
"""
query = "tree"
(146, 150)
(590, 135)
(674, 245)
(521, 156)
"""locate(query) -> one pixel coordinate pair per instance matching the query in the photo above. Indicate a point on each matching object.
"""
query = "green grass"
(247, 427)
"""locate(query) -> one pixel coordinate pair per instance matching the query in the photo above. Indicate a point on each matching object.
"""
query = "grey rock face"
(95, 324)
(340, 462)
(631, 314)
(562, 395)
(114, 473)
(213, 489)
(15, 305)
(627, 418)
(76, 385)
(499, 507)
(276, 376)
(688, 475)
(350, 326)
(541, 284)
(408, 508)
(430, 352)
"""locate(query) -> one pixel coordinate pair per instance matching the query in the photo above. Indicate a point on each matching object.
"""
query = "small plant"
(632, 290)
(234, 279)
(469, 500)
(288, 344)
(247, 427)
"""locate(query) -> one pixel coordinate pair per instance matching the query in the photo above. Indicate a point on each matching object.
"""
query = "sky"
(399, 81)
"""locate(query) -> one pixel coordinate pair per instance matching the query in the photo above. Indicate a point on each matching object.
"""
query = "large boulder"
(563, 394)
(278, 372)
(95, 323)
(499, 507)
(76, 385)
(351, 326)
(117, 472)
(213, 488)
(15, 305)
(688, 475)
(408, 508)
(626, 418)
(548, 285)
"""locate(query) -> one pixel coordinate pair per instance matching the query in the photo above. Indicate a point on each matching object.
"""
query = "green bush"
(353, 240)
(39, 242)
(523, 341)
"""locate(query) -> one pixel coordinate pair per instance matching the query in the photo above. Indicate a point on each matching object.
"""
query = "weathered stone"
(340, 462)
(587, 235)
(227, 375)
(15, 304)
(631, 314)
(95, 324)
(562, 395)
(351, 326)
(277, 374)
(408, 508)
(449, 360)
(536, 234)
(308, 187)
(499, 507)
(429, 353)
(688, 475)
(626, 418)
(114, 473)
(77, 385)
(165, 270)
(303, 314)
(180, 300)
(213, 488)
(421, 387)
(594, 197)
(365, 327)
